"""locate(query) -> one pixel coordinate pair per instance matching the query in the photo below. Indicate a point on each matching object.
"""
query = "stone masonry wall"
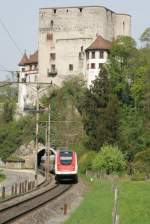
(67, 32)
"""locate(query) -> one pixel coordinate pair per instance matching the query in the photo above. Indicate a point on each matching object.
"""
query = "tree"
(145, 37)
(99, 111)
(142, 162)
(121, 67)
(67, 130)
(110, 159)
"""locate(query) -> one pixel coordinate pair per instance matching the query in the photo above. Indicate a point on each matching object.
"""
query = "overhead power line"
(10, 36)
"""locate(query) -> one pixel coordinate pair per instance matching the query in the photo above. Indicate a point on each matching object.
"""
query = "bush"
(138, 176)
(110, 160)
(141, 163)
(86, 160)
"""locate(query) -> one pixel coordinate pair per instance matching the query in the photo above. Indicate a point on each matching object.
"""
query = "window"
(54, 10)
(49, 36)
(71, 67)
(66, 157)
(81, 48)
(101, 54)
(52, 56)
(53, 68)
(92, 65)
(93, 54)
(52, 23)
(23, 69)
(81, 9)
(87, 55)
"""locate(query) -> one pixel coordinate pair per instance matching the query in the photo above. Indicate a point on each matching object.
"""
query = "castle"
(75, 41)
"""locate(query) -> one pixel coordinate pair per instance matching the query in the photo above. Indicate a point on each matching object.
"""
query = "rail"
(14, 209)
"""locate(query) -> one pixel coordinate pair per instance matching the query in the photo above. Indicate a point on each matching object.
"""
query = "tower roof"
(24, 60)
(32, 59)
(100, 43)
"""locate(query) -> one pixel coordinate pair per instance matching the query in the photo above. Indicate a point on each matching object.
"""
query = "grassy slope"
(2, 177)
(97, 206)
(134, 202)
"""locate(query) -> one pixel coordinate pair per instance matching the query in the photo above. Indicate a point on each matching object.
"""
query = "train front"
(66, 167)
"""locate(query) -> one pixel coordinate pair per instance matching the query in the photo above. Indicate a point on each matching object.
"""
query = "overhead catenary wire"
(10, 36)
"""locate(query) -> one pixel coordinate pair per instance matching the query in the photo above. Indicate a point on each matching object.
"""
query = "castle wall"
(67, 32)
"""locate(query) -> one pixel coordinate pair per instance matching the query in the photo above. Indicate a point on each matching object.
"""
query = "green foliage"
(99, 111)
(142, 162)
(121, 67)
(86, 160)
(8, 99)
(132, 135)
(145, 37)
(129, 75)
(13, 158)
(14, 134)
(110, 159)
(67, 128)
(138, 176)
(2, 176)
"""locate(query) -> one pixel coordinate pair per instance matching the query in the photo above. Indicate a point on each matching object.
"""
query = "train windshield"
(66, 157)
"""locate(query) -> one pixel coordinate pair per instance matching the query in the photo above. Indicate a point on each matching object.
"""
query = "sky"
(20, 17)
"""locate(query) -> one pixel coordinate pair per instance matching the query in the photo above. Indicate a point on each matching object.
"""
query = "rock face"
(27, 152)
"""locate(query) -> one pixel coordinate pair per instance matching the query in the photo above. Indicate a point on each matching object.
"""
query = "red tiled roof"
(32, 59)
(100, 43)
(24, 60)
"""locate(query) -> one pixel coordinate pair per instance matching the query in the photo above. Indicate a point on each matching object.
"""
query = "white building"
(28, 74)
(65, 33)
(72, 41)
(96, 56)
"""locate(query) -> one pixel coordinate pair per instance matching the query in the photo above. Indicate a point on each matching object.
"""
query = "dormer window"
(93, 54)
(101, 54)
(87, 55)
(23, 69)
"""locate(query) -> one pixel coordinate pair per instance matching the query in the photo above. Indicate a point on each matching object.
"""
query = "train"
(66, 166)
(63, 164)
(43, 162)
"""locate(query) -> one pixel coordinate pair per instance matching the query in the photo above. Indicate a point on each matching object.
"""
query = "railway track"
(11, 211)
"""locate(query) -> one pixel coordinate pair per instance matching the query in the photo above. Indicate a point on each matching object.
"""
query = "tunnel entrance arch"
(42, 152)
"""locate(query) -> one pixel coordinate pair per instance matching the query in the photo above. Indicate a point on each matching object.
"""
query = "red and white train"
(66, 166)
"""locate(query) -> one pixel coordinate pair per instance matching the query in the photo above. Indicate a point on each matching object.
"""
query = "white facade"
(94, 64)
(26, 94)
